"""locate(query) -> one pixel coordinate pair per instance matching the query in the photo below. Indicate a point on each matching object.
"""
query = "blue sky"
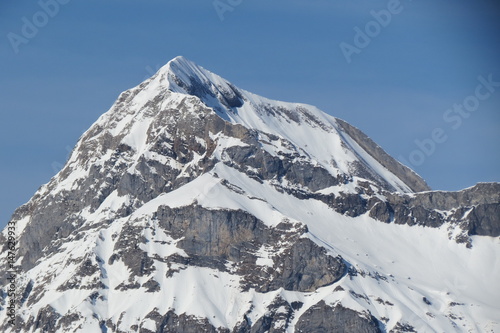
(58, 78)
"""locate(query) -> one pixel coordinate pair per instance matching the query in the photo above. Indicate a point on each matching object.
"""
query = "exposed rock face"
(213, 238)
(322, 318)
(195, 206)
(475, 209)
(171, 322)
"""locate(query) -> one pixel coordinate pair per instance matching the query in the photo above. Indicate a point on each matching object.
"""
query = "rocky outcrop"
(303, 173)
(323, 318)
(276, 320)
(475, 210)
(173, 323)
(211, 238)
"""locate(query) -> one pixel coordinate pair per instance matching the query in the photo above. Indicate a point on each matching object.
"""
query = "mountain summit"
(195, 206)
(261, 114)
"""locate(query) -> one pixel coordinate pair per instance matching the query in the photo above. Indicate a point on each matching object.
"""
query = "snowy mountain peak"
(185, 69)
(337, 146)
(181, 64)
(184, 76)
(195, 206)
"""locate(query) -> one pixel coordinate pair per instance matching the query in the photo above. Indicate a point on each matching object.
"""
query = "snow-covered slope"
(309, 131)
(193, 205)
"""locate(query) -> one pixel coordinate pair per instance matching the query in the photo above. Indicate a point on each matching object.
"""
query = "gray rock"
(321, 318)
(172, 323)
(213, 237)
(475, 209)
